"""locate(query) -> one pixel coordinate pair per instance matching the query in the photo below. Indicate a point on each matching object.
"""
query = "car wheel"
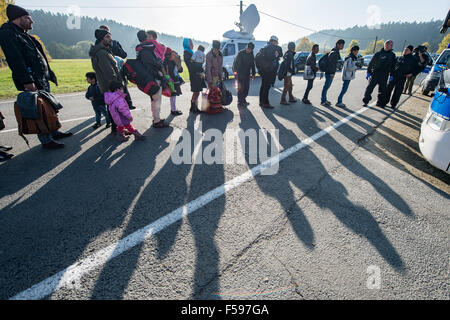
(425, 92)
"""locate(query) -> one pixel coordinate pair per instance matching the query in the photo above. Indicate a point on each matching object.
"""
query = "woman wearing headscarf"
(196, 74)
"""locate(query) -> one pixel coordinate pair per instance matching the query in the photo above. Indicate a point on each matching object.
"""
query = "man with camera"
(423, 59)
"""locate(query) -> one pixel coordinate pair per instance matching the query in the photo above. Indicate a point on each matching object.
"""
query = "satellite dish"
(247, 24)
(249, 19)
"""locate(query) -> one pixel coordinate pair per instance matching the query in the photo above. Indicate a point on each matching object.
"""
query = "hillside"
(72, 44)
(413, 33)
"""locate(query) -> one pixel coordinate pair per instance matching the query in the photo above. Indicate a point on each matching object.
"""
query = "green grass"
(70, 74)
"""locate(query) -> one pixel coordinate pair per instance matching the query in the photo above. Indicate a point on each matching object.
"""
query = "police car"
(435, 132)
(431, 81)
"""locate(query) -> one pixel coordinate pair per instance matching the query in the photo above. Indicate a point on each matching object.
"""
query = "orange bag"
(48, 121)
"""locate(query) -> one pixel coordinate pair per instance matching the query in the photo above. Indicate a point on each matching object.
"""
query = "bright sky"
(215, 17)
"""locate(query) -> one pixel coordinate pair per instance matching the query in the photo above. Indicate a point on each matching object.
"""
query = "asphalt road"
(345, 216)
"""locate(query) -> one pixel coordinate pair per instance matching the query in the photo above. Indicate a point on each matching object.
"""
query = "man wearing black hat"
(405, 67)
(244, 67)
(27, 60)
(290, 71)
(104, 63)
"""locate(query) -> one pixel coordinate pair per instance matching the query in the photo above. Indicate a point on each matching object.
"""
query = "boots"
(138, 136)
(120, 137)
(194, 107)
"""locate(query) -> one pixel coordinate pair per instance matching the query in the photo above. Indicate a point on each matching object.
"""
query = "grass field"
(70, 74)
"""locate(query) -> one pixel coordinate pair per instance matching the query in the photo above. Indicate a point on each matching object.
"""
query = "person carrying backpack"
(267, 64)
(289, 71)
(330, 70)
(310, 72)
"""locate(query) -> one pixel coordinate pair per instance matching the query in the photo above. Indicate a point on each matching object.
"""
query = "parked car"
(360, 61)
(431, 81)
(230, 49)
(434, 141)
(300, 60)
(367, 59)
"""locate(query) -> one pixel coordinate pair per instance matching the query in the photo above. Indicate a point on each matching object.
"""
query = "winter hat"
(13, 12)
(100, 34)
(216, 44)
(273, 38)
(410, 48)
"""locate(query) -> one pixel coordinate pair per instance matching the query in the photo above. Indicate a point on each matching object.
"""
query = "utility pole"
(242, 8)
(375, 45)
(404, 45)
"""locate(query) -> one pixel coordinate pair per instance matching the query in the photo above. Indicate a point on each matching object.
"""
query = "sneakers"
(306, 101)
(120, 137)
(284, 103)
(96, 126)
(341, 105)
(108, 125)
(132, 108)
(138, 136)
(62, 135)
(53, 145)
(160, 124)
(325, 104)
(5, 148)
(267, 106)
(5, 156)
(292, 100)
(176, 113)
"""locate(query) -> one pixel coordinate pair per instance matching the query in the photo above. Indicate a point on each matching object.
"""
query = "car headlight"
(438, 123)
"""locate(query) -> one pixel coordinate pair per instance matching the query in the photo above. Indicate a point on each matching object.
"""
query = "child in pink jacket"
(120, 112)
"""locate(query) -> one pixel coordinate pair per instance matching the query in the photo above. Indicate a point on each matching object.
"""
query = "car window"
(230, 50)
(242, 46)
(443, 59)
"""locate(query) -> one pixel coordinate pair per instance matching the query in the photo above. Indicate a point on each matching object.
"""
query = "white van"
(231, 47)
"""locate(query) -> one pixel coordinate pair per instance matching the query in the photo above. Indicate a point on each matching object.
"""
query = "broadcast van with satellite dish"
(235, 41)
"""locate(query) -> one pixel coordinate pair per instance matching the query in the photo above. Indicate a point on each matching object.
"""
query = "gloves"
(368, 76)
(391, 78)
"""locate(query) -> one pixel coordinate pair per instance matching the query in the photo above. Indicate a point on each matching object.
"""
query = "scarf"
(187, 45)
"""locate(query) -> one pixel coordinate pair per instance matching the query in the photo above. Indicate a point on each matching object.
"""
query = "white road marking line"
(77, 270)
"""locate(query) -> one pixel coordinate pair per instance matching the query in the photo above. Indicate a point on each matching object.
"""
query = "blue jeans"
(99, 111)
(344, 90)
(326, 86)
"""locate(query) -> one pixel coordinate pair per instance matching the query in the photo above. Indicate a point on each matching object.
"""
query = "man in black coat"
(244, 67)
(406, 66)
(272, 55)
(378, 71)
(27, 60)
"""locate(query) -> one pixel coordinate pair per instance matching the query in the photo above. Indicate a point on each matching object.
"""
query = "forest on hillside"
(65, 43)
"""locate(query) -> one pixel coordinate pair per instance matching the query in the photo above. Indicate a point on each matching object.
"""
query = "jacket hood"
(110, 97)
(95, 49)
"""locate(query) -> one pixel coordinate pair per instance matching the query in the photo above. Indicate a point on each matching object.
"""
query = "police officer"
(378, 72)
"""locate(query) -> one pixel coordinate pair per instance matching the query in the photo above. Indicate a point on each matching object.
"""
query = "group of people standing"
(108, 84)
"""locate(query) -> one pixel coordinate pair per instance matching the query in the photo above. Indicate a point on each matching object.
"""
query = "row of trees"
(413, 33)
(306, 45)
